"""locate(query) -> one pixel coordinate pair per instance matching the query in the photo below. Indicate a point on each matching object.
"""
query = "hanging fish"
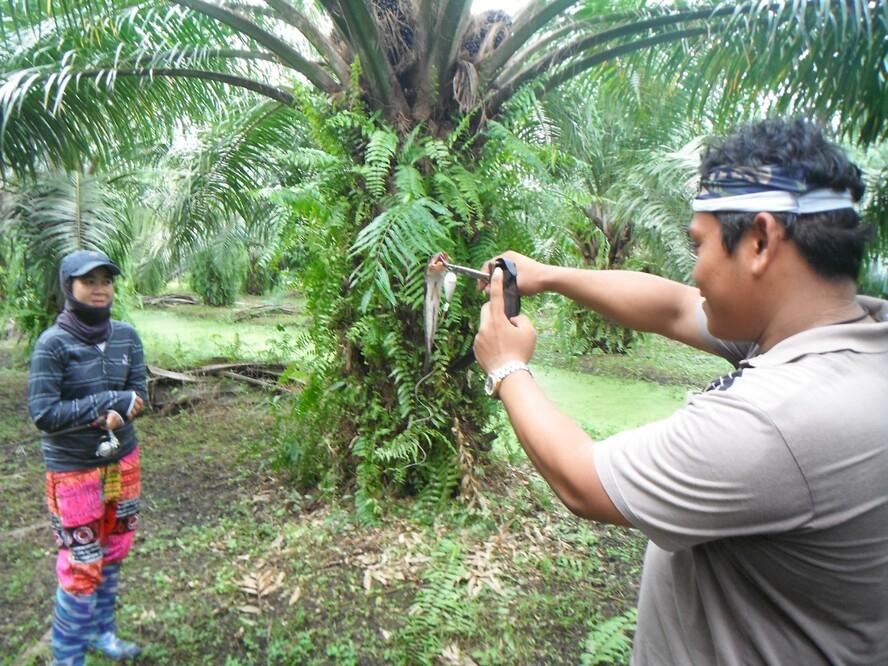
(436, 273)
(441, 281)
(449, 287)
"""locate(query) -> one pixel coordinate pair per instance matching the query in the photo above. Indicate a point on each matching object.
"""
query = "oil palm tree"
(619, 184)
(382, 164)
(80, 76)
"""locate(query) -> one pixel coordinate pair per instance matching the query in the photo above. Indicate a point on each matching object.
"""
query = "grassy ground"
(232, 566)
(191, 334)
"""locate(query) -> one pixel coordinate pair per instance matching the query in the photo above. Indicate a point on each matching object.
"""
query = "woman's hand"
(113, 420)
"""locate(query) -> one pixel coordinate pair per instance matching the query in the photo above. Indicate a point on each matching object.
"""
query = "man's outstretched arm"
(635, 300)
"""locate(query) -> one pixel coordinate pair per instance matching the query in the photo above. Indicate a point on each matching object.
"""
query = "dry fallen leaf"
(261, 584)
(452, 656)
(147, 616)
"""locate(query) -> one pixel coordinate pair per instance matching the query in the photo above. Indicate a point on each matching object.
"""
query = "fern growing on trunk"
(372, 208)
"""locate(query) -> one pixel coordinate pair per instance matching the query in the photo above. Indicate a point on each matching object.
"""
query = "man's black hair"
(833, 242)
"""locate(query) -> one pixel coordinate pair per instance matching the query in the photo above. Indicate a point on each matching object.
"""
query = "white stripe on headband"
(777, 201)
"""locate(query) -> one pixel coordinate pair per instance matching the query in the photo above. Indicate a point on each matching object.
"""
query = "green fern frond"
(609, 642)
(394, 242)
(367, 504)
(409, 183)
(437, 151)
(440, 488)
(441, 608)
(378, 159)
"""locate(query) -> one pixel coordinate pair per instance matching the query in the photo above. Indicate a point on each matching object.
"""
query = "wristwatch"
(494, 378)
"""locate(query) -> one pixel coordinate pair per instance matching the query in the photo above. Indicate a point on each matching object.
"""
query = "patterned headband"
(765, 188)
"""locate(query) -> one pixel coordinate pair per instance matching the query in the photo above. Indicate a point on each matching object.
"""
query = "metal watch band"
(496, 377)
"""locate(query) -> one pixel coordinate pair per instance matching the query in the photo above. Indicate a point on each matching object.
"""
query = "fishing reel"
(108, 446)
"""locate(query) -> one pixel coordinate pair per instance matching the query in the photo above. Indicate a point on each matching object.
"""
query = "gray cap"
(82, 262)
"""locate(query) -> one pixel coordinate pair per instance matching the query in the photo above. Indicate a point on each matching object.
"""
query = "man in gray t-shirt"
(765, 498)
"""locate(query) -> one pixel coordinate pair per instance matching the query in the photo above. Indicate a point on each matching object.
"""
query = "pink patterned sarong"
(94, 513)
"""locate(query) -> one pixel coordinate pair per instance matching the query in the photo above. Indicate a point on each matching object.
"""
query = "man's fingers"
(496, 292)
(436, 263)
(485, 315)
(520, 321)
(484, 285)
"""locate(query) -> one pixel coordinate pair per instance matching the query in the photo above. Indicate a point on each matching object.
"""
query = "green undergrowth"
(234, 566)
(604, 405)
(652, 359)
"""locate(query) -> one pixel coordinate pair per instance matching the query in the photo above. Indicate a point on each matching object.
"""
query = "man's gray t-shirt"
(766, 503)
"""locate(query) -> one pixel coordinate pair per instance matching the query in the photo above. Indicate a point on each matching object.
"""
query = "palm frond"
(800, 51)
(52, 216)
(287, 54)
(368, 43)
(309, 27)
(667, 179)
(94, 121)
(819, 57)
(227, 170)
(529, 23)
(69, 90)
(876, 210)
(453, 16)
(65, 212)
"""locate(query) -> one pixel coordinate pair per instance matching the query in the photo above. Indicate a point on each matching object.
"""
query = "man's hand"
(530, 273)
(499, 339)
(113, 420)
(137, 408)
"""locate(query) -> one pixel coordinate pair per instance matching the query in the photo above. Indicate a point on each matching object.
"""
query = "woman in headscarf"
(87, 384)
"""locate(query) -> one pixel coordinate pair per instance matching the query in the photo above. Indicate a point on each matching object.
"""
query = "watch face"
(489, 385)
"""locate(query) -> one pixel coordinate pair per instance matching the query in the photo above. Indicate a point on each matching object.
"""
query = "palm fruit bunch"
(495, 20)
(396, 24)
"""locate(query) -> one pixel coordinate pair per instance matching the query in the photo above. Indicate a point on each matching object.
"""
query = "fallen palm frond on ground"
(170, 299)
(170, 390)
(263, 310)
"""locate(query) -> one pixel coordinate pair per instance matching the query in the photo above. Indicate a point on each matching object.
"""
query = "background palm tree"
(620, 172)
(45, 219)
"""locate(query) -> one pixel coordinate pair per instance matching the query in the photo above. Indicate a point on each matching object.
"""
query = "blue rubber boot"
(104, 637)
(71, 626)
